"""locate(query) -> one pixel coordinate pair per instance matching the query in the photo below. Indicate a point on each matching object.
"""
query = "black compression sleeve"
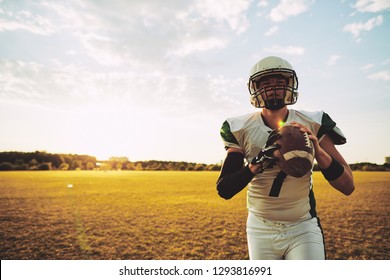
(234, 176)
(234, 161)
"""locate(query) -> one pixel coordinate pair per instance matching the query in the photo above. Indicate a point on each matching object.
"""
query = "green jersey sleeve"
(227, 136)
(328, 126)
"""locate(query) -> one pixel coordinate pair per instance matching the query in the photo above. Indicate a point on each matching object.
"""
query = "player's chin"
(275, 104)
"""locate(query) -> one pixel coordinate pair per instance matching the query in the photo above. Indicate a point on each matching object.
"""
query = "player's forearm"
(338, 174)
(230, 184)
(323, 158)
(344, 183)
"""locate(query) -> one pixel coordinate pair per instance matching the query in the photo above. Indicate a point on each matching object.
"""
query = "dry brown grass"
(167, 215)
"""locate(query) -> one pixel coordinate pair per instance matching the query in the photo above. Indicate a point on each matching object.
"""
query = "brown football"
(296, 153)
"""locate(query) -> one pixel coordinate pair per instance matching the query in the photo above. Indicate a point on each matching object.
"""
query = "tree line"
(46, 161)
(39, 160)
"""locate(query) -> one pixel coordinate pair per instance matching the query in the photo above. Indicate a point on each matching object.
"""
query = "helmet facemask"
(273, 97)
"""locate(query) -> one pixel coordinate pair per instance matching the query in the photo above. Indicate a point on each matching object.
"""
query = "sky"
(155, 80)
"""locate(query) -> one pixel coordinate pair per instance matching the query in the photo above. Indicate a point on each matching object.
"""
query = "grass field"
(168, 215)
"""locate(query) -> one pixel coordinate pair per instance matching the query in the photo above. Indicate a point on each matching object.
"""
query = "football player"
(282, 220)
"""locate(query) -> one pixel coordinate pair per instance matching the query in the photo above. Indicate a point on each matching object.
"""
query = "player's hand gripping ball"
(295, 155)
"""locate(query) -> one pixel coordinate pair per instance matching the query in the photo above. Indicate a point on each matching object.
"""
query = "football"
(295, 153)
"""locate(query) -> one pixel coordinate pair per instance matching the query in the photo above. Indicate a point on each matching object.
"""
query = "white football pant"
(268, 240)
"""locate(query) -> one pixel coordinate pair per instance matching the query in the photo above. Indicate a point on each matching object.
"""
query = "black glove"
(265, 157)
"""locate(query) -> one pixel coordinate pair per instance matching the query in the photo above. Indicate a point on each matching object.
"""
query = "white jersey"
(295, 201)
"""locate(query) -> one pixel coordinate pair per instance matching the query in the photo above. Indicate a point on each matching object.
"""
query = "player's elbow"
(223, 190)
(345, 183)
(223, 193)
(349, 189)
(346, 188)
(348, 184)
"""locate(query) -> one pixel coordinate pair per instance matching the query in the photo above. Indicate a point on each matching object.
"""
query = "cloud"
(151, 32)
(356, 28)
(18, 77)
(332, 60)
(189, 45)
(372, 6)
(273, 30)
(108, 37)
(141, 53)
(68, 87)
(218, 86)
(230, 11)
(263, 3)
(289, 50)
(288, 8)
(31, 82)
(136, 33)
(372, 65)
(387, 61)
(380, 76)
(26, 21)
(368, 66)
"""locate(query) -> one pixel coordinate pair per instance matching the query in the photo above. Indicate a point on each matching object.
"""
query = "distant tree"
(106, 166)
(56, 160)
(199, 167)
(64, 166)
(182, 167)
(170, 166)
(190, 167)
(67, 159)
(120, 159)
(213, 167)
(130, 166)
(41, 159)
(45, 166)
(118, 166)
(89, 166)
(6, 166)
(138, 166)
(33, 164)
(76, 165)
(20, 165)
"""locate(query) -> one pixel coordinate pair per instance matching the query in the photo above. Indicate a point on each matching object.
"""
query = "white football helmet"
(272, 66)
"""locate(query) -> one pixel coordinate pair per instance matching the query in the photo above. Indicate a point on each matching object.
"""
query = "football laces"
(307, 140)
